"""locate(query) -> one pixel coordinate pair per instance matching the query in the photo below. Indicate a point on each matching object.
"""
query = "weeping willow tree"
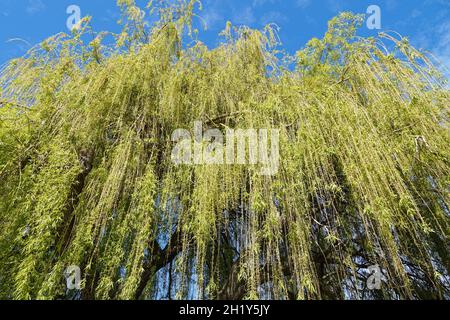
(87, 177)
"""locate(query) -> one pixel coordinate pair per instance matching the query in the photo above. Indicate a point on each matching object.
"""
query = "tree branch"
(159, 259)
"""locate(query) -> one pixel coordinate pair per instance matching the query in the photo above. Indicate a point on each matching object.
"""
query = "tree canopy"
(87, 177)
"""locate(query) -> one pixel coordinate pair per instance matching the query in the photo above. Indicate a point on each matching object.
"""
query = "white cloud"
(273, 17)
(435, 39)
(212, 14)
(245, 17)
(303, 3)
(391, 5)
(212, 18)
(35, 6)
(416, 13)
(257, 3)
(442, 47)
(5, 7)
(334, 6)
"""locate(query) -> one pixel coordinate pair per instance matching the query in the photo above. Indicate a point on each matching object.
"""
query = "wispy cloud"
(245, 16)
(303, 3)
(35, 6)
(212, 19)
(273, 17)
(257, 3)
(334, 6)
(435, 38)
(212, 14)
(5, 8)
(391, 4)
(442, 47)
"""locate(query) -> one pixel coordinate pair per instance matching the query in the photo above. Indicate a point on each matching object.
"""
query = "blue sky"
(24, 23)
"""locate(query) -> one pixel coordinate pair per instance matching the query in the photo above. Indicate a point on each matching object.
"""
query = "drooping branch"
(86, 158)
(158, 259)
(234, 288)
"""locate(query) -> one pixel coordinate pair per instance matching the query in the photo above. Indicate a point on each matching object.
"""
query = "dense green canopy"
(87, 177)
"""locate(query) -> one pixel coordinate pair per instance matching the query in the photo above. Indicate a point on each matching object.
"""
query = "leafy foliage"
(87, 178)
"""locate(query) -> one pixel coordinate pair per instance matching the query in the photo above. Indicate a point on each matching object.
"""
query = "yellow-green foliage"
(86, 176)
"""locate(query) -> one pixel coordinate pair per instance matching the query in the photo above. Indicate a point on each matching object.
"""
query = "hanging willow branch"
(87, 177)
